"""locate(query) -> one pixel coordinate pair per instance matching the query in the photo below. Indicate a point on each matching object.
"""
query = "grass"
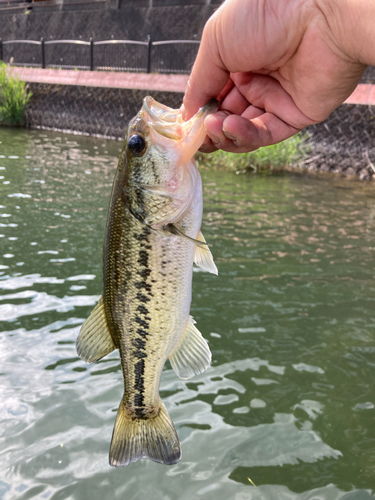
(276, 157)
(14, 98)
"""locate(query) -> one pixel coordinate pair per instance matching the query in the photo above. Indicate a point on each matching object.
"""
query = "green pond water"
(289, 401)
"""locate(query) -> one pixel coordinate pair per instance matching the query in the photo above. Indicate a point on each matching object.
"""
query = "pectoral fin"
(171, 228)
(94, 340)
(192, 355)
(203, 256)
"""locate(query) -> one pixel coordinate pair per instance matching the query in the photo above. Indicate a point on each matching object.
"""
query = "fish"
(153, 236)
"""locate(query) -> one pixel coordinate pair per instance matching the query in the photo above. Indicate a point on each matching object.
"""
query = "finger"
(214, 128)
(252, 112)
(226, 90)
(266, 93)
(234, 102)
(207, 146)
(221, 97)
(248, 135)
(216, 121)
(237, 134)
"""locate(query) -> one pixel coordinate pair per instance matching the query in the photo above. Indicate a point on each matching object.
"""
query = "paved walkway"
(140, 81)
(363, 94)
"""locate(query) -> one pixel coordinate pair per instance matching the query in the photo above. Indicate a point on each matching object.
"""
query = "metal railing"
(167, 56)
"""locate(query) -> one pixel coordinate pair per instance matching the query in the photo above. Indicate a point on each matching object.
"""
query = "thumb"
(209, 75)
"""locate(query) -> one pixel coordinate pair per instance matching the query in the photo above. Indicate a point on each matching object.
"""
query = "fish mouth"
(167, 123)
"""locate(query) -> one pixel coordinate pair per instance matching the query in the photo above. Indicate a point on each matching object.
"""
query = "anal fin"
(192, 355)
(94, 340)
(203, 256)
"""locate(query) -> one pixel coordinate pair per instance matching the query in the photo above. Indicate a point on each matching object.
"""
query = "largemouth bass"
(152, 238)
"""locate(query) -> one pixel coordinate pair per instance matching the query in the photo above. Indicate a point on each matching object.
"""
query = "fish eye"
(136, 144)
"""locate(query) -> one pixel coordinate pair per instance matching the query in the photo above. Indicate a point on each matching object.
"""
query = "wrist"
(352, 24)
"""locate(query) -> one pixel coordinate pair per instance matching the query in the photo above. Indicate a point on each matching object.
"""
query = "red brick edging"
(363, 94)
(140, 81)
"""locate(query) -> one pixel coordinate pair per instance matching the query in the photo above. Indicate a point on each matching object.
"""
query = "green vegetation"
(14, 98)
(277, 157)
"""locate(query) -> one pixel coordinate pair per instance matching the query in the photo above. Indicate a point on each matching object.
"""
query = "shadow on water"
(288, 403)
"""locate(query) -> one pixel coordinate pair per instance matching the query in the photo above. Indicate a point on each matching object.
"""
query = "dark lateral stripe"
(138, 402)
(142, 333)
(140, 354)
(142, 309)
(144, 273)
(143, 258)
(142, 298)
(143, 236)
(142, 318)
(139, 387)
(142, 284)
(139, 343)
(141, 322)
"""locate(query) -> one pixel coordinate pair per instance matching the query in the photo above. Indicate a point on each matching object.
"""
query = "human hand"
(277, 66)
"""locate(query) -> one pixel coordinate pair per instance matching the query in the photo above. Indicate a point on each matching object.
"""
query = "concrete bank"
(98, 103)
(344, 143)
(94, 103)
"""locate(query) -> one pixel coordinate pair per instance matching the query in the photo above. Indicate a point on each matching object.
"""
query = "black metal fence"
(167, 56)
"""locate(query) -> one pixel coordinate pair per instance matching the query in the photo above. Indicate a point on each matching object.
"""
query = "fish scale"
(152, 239)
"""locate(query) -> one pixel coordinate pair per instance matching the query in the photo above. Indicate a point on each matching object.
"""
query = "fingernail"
(231, 137)
(215, 141)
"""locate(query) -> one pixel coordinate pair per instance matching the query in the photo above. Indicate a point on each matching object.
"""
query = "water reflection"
(289, 399)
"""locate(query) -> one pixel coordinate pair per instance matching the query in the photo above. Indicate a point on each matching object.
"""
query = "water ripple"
(288, 402)
(42, 302)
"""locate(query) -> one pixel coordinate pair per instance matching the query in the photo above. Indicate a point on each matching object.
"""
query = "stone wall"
(89, 110)
(344, 143)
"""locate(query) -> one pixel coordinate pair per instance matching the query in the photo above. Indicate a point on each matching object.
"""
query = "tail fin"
(134, 438)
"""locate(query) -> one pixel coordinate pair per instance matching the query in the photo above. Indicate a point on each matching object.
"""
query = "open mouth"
(164, 120)
(168, 122)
